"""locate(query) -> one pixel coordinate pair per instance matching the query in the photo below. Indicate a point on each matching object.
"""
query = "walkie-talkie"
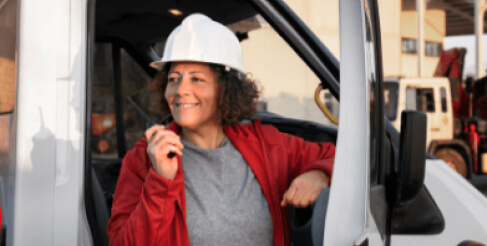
(150, 122)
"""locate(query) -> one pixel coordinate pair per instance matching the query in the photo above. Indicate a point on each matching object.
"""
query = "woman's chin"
(185, 123)
(194, 124)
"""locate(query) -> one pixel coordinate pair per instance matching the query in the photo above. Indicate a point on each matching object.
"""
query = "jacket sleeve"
(303, 156)
(144, 203)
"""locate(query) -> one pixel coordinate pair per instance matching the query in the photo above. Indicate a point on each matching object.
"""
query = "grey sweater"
(224, 202)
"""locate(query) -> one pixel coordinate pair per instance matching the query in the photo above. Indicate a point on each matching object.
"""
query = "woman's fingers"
(161, 134)
(296, 197)
(168, 148)
(305, 189)
(161, 138)
(160, 150)
(288, 196)
(168, 144)
(161, 142)
(149, 133)
(168, 140)
(299, 196)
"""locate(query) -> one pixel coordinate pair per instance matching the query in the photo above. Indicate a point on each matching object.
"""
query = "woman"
(238, 179)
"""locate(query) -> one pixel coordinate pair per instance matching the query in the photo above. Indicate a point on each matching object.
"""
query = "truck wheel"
(453, 159)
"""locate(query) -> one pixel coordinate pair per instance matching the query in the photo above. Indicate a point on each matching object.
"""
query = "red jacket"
(151, 210)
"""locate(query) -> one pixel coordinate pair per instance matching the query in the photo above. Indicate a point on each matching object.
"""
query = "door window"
(376, 117)
(390, 100)
(135, 84)
(411, 98)
(421, 99)
(427, 100)
(287, 85)
(443, 99)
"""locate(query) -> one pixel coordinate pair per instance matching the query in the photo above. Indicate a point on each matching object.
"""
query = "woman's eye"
(171, 80)
(197, 79)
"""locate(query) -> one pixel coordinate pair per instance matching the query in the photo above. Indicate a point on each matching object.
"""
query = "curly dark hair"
(237, 98)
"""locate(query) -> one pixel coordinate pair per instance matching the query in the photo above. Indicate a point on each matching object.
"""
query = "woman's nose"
(184, 85)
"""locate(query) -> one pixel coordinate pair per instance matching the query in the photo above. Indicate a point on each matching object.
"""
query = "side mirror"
(412, 154)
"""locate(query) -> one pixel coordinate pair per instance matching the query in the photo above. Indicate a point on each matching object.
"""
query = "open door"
(358, 209)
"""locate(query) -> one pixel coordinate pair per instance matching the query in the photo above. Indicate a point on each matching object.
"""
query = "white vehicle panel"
(346, 215)
(49, 148)
(463, 208)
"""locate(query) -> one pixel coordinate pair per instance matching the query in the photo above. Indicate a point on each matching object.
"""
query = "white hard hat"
(201, 39)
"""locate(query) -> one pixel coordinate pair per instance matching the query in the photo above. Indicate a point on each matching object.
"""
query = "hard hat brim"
(160, 64)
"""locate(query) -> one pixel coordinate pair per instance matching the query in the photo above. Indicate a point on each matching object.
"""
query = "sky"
(468, 42)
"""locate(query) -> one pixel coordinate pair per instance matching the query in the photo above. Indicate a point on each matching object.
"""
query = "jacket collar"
(173, 126)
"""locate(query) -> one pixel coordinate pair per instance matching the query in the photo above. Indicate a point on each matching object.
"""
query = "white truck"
(55, 188)
(449, 138)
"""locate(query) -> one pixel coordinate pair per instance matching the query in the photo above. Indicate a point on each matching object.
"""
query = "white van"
(77, 61)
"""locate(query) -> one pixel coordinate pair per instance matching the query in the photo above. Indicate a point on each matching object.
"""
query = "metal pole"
(479, 31)
(420, 9)
(118, 98)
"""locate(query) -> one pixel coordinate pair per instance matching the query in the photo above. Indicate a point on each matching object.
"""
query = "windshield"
(287, 84)
(390, 99)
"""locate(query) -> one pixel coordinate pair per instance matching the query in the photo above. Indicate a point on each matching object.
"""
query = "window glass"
(374, 94)
(411, 98)
(421, 99)
(312, 13)
(103, 124)
(433, 49)
(427, 100)
(373, 72)
(287, 84)
(136, 84)
(408, 45)
(390, 100)
(443, 99)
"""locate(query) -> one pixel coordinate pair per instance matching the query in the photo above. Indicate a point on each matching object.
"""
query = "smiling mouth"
(186, 105)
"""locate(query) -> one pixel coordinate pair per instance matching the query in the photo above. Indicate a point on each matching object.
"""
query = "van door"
(48, 127)
(358, 208)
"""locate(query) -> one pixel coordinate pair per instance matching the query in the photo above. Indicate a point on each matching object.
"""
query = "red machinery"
(469, 103)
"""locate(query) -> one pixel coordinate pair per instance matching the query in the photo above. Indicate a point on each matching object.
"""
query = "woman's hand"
(305, 189)
(161, 142)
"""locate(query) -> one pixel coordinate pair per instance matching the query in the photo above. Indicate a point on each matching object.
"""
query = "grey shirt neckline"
(225, 204)
(194, 147)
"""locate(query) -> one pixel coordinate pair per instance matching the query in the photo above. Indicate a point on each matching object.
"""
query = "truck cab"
(429, 95)
(448, 138)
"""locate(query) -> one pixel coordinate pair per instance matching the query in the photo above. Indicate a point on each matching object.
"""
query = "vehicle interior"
(125, 36)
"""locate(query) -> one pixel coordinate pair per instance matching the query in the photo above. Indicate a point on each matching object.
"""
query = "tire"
(453, 159)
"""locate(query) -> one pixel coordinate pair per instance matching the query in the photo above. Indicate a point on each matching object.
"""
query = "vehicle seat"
(101, 210)
(308, 224)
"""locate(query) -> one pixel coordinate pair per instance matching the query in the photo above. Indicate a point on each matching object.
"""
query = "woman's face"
(191, 94)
